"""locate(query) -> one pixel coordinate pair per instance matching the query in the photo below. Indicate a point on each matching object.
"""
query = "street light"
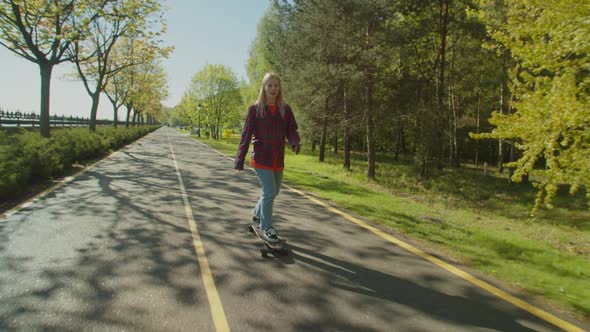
(199, 130)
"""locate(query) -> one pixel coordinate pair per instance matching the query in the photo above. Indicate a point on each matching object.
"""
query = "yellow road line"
(217, 312)
(566, 326)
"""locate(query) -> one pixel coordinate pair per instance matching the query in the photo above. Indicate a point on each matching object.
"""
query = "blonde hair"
(261, 101)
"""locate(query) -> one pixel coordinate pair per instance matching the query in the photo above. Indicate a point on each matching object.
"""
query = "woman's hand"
(296, 148)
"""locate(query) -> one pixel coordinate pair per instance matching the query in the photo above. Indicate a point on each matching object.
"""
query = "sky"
(201, 31)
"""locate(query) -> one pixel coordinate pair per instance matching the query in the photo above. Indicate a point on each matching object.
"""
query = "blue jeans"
(271, 185)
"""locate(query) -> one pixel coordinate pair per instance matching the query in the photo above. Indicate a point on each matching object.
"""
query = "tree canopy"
(441, 83)
(217, 89)
(86, 33)
(42, 32)
(551, 85)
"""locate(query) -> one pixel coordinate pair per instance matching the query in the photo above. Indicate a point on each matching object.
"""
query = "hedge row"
(26, 157)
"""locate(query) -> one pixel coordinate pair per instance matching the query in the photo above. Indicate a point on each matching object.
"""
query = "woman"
(271, 121)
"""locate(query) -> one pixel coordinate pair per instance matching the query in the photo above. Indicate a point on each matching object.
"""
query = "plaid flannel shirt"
(268, 136)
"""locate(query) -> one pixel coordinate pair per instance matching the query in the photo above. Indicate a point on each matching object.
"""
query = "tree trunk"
(335, 143)
(443, 18)
(324, 136)
(400, 146)
(115, 115)
(346, 147)
(370, 124)
(369, 107)
(454, 108)
(450, 112)
(454, 145)
(93, 111)
(510, 159)
(44, 124)
(477, 120)
(127, 118)
(218, 129)
(422, 144)
(500, 141)
(509, 111)
(402, 100)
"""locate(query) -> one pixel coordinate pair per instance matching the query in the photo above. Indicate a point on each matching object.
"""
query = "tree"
(117, 89)
(148, 90)
(218, 87)
(41, 32)
(92, 56)
(320, 68)
(185, 112)
(440, 82)
(372, 17)
(307, 66)
(259, 61)
(551, 88)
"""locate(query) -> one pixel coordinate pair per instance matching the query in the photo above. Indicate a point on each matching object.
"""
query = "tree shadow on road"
(471, 310)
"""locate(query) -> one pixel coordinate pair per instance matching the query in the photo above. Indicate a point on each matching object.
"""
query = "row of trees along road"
(426, 78)
(113, 44)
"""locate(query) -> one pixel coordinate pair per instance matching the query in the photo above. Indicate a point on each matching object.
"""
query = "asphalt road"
(154, 238)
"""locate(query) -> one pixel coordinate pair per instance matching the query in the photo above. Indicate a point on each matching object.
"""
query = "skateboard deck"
(276, 249)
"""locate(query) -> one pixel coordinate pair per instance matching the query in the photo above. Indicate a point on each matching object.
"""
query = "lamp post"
(199, 130)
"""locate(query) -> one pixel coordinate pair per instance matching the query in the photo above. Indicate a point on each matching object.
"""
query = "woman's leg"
(278, 180)
(278, 175)
(270, 182)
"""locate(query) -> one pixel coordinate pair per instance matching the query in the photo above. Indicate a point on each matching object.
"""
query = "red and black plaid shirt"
(269, 134)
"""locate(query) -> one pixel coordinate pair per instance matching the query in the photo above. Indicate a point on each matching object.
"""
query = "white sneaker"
(270, 235)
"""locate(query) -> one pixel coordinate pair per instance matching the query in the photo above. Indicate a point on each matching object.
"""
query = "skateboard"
(275, 249)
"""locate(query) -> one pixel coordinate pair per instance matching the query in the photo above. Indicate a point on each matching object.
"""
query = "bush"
(25, 156)
(15, 171)
(44, 160)
(227, 133)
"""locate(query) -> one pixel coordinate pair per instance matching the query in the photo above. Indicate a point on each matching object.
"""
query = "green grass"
(486, 222)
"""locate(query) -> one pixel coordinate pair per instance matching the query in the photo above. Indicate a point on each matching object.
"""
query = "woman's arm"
(245, 138)
(292, 134)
